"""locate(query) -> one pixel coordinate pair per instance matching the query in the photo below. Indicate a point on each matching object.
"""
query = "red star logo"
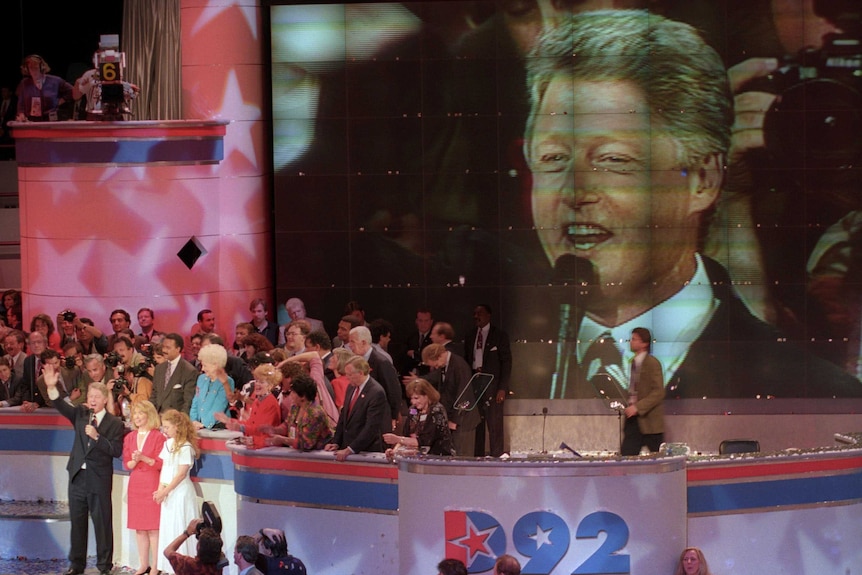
(474, 541)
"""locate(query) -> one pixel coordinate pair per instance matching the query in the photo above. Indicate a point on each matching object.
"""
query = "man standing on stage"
(98, 440)
(487, 350)
(645, 412)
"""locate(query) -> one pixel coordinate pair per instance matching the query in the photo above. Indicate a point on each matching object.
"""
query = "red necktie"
(479, 343)
(353, 401)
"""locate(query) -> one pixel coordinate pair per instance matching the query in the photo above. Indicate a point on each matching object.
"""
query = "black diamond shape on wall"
(191, 252)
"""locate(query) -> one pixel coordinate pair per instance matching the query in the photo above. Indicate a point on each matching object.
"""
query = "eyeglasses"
(294, 333)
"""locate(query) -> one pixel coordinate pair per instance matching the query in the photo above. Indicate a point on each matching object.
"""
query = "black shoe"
(106, 571)
(73, 571)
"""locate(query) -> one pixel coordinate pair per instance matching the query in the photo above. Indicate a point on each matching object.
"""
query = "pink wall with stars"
(98, 238)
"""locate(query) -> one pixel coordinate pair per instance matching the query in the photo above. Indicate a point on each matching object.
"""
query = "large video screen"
(692, 169)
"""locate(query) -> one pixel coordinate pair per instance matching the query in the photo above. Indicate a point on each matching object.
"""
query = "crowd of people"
(288, 385)
(144, 396)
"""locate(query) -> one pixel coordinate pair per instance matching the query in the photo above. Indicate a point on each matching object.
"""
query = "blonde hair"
(185, 430)
(148, 409)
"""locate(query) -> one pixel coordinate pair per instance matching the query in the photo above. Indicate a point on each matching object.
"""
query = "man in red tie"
(365, 415)
(487, 350)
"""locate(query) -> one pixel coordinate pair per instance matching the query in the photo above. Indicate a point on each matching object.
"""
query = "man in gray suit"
(174, 380)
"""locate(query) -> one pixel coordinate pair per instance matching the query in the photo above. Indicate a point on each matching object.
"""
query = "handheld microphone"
(578, 272)
(544, 418)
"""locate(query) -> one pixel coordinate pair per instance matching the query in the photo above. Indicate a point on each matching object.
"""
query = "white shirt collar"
(675, 324)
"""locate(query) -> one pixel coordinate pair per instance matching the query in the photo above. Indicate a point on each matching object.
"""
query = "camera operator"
(91, 338)
(132, 381)
(209, 552)
(791, 196)
(73, 362)
(273, 558)
(66, 326)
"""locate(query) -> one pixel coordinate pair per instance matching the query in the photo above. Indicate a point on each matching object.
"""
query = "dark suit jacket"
(458, 375)
(384, 372)
(737, 355)
(98, 455)
(8, 391)
(363, 428)
(496, 357)
(412, 344)
(180, 389)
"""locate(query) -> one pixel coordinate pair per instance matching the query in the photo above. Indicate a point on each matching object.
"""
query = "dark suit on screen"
(90, 487)
(179, 391)
(738, 355)
(362, 428)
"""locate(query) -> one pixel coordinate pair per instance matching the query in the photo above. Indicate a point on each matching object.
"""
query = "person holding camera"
(273, 557)
(176, 493)
(207, 555)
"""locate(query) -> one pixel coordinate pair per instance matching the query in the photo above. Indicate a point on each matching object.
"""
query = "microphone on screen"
(579, 273)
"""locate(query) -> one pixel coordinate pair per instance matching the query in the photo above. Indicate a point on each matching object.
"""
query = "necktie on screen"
(479, 343)
(602, 370)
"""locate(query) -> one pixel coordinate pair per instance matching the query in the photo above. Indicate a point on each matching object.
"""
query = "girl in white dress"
(176, 493)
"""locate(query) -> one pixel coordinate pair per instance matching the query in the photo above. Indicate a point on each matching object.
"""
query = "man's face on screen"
(608, 185)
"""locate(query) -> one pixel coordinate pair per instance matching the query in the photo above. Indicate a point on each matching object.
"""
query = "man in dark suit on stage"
(416, 342)
(174, 380)
(382, 369)
(365, 415)
(487, 350)
(450, 375)
(98, 440)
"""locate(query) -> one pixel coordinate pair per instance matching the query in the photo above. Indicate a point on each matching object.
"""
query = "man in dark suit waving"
(487, 350)
(174, 380)
(98, 440)
(365, 415)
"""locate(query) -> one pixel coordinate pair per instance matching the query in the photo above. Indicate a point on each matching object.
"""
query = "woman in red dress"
(141, 450)
(265, 412)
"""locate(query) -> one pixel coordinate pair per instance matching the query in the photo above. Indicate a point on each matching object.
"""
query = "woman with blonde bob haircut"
(141, 457)
(692, 562)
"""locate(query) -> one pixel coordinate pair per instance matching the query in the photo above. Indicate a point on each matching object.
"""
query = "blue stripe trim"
(212, 466)
(734, 497)
(57, 440)
(180, 151)
(317, 491)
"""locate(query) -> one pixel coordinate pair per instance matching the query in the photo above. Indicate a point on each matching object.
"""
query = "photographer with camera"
(273, 557)
(792, 193)
(73, 361)
(131, 379)
(91, 338)
(208, 551)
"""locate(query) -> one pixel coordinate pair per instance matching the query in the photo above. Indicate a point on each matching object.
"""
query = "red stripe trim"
(212, 444)
(761, 468)
(51, 420)
(127, 133)
(319, 467)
